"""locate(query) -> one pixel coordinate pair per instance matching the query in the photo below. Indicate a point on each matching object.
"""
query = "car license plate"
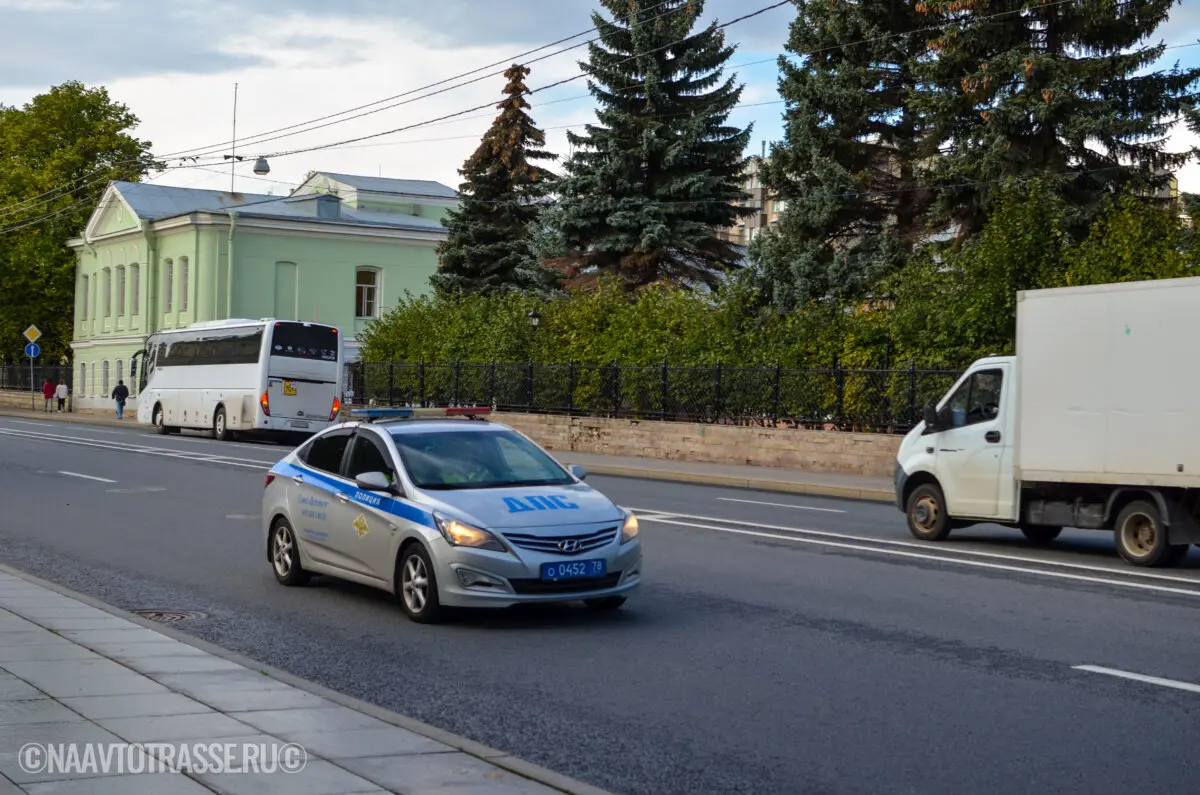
(574, 570)
(289, 388)
(299, 424)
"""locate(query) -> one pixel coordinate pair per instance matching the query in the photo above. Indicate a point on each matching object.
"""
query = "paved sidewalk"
(855, 487)
(75, 671)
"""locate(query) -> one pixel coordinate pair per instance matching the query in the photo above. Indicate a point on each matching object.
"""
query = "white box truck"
(1095, 423)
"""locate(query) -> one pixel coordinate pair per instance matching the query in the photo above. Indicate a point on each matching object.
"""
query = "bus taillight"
(337, 409)
(265, 402)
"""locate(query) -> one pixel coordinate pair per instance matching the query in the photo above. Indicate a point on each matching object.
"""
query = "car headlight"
(460, 534)
(630, 529)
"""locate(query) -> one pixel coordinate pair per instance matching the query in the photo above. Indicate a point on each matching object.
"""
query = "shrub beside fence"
(864, 400)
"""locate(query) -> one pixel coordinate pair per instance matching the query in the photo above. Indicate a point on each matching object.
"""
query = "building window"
(135, 290)
(121, 291)
(107, 292)
(120, 371)
(82, 390)
(183, 284)
(366, 296)
(93, 377)
(85, 298)
(105, 391)
(168, 286)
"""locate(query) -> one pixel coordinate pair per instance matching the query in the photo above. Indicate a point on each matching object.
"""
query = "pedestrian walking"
(61, 393)
(120, 394)
(48, 394)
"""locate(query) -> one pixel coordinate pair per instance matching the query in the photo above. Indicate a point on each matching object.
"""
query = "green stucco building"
(339, 250)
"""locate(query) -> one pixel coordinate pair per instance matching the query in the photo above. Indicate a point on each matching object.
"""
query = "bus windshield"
(301, 341)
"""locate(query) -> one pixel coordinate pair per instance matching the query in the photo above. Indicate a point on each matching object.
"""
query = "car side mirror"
(931, 418)
(376, 481)
(579, 472)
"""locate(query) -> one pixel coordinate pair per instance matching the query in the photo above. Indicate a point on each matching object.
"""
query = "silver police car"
(445, 509)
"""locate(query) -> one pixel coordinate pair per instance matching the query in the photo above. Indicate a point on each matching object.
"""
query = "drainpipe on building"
(229, 267)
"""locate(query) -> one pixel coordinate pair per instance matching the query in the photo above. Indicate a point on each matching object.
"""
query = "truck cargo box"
(1109, 384)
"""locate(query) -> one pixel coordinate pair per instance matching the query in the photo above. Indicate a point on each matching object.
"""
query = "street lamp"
(261, 167)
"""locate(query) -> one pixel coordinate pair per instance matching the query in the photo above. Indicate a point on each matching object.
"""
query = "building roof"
(407, 187)
(152, 202)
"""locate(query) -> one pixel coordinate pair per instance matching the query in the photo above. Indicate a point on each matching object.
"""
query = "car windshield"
(476, 460)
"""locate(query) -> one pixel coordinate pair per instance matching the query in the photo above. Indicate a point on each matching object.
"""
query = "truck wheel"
(1142, 539)
(1040, 534)
(927, 518)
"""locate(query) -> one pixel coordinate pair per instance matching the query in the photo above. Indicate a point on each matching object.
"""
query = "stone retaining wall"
(811, 451)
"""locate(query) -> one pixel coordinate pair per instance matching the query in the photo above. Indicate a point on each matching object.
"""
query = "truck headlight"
(629, 530)
(460, 534)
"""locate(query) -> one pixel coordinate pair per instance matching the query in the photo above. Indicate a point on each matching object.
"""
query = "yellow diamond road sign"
(32, 333)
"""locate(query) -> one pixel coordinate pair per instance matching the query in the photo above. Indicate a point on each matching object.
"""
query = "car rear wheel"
(285, 556)
(416, 586)
(605, 604)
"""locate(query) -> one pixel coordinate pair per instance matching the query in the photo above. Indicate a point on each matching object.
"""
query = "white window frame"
(373, 300)
(183, 284)
(135, 290)
(85, 298)
(120, 291)
(83, 379)
(105, 391)
(93, 379)
(168, 286)
(107, 292)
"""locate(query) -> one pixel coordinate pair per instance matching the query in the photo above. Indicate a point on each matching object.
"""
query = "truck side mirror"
(931, 418)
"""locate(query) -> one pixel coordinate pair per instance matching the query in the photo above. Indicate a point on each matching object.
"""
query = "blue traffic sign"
(33, 350)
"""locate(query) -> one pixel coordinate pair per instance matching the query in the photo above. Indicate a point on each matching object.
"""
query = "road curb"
(500, 759)
(758, 484)
(71, 418)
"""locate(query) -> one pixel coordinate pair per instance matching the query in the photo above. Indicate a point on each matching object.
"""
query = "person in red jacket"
(48, 394)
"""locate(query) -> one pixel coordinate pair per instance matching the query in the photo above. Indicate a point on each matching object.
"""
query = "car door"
(970, 449)
(315, 508)
(366, 540)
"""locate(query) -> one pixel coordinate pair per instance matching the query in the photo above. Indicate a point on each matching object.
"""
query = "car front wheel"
(927, 517)
(416, 586)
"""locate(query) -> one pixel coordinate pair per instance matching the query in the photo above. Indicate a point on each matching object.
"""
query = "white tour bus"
(230, 376)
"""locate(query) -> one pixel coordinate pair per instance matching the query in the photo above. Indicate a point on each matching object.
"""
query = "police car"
(446, 509)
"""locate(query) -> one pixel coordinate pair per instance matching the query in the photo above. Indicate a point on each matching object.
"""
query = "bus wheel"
(221, 430)
(158, 421)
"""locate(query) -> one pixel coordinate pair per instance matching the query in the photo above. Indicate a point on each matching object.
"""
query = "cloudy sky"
(175, 63)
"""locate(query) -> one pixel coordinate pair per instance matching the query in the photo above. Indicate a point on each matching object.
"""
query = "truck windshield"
(476, 460)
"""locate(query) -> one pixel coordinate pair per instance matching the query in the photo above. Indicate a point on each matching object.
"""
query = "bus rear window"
(298, 341)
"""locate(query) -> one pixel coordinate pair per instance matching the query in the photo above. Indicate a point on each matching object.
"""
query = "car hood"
(534, 506)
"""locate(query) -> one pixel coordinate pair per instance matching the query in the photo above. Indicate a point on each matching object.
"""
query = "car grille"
(575, 545)
(566, 586)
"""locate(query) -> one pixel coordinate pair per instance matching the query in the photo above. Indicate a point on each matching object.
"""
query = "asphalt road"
(780, 645)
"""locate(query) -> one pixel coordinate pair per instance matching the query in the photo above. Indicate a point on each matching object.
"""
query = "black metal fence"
(869, 400)
(17, 377)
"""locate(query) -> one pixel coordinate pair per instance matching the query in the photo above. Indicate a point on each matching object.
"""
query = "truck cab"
(956, 468)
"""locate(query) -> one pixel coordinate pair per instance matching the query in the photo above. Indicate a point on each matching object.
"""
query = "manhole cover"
(169, 616)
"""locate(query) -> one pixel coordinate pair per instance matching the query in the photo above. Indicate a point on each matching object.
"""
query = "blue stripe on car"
(401, 508)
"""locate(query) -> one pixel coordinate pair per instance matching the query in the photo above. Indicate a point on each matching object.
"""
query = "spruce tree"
(847, 166)
(1060, 91)
(490, 244)
(649, 184)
